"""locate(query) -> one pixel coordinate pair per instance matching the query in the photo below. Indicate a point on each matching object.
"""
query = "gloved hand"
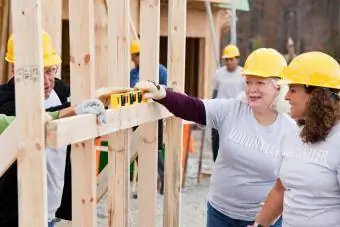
(92, 106)
(153, 90)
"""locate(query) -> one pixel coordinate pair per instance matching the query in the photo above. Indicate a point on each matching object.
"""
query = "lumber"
(119, 142)
(83, 155)
(32, 189)
(51, 22)
(101, 47)
(149, 70)
(102, 179)
(71, 130)
(174, 129)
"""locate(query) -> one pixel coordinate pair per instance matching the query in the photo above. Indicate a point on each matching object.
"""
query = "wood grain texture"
(147, 157)
(32, 189)
(83, 158)
(174, 128)
(119, 142)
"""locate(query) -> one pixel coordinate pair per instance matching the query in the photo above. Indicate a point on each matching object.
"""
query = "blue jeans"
(217, 219)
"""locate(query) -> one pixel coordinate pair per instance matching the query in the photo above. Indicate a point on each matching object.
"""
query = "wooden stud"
(101, 47)
(147, 155)
(51, 21)
(174, 128)
(119, 149)
(4, 9)
(82, 63)
(29, 96)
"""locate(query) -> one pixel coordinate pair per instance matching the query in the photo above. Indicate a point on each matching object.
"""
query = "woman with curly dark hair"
(308, 187)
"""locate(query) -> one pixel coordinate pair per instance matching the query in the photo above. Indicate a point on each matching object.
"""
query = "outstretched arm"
(182, 106)
(185, 107)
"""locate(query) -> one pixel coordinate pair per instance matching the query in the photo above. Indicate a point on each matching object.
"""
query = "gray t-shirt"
(310, 174)
(56, 160)
(244, 170)
(228, 84)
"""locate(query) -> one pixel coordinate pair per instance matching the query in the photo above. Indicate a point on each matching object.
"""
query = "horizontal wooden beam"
(79, 128)
(8, 146)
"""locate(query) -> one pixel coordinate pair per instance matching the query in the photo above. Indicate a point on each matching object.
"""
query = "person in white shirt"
(307, 190)
(228, 83)
(250, 131)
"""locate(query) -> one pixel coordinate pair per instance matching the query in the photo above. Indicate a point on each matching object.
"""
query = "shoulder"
(288, 121)
(230, 106)
(162, 68)
(134, 71)
(288, 126)
(221, 70)
(62, 90)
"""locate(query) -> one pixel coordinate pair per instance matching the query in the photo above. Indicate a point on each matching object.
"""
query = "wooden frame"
(26, 137)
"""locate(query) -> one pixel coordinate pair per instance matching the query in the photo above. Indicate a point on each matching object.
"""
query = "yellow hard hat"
(265, 62)
(50, 57)
(230, 51)
(313, 68)
(134, 47)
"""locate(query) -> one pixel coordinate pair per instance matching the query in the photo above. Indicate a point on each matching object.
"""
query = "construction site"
(127, 160)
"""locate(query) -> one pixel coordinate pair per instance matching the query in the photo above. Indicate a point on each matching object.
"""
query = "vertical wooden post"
(51, 21)
(29, 108)
(101, 40)
(119, 142)
(174, 128)
(82, 62)
(147, 155)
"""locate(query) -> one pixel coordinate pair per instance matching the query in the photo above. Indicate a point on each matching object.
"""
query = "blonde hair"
(280, 105)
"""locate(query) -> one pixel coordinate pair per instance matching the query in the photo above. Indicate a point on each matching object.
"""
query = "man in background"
(134, 78)
(229, 82)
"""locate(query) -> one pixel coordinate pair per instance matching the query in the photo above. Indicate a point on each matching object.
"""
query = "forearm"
(273, 206)
(68, 112)
(185, 107)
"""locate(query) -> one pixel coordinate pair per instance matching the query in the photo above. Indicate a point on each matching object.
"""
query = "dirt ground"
(193, 203)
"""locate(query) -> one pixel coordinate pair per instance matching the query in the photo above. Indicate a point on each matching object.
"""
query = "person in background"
(134, 78)
(307, 189)
(58, 160)
(250, 130)
(229, 82)
(290, 50)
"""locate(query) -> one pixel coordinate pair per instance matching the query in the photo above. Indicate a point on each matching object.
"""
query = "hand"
(153, 90)
(91, 106)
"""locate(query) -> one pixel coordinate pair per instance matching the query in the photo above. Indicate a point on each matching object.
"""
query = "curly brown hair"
(322, 114)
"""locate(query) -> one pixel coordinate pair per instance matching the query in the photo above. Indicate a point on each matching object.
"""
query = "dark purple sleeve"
(185, 107)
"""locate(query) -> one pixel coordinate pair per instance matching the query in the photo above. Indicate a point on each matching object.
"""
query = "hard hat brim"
(255, 73)
(229, 56)
(284, 82)
(47, 61)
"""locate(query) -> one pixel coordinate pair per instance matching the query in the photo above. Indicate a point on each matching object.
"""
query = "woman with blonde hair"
(250, 133)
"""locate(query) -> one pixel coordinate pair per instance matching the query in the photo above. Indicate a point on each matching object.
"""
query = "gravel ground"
(193, 206)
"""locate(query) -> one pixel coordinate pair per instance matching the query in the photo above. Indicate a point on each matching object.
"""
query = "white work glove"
(92, 106)
(152, 90)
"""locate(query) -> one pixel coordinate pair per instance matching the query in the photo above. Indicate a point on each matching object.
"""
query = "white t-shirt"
(56, 160)
(229, 84)
(244, 170)
(310, 174)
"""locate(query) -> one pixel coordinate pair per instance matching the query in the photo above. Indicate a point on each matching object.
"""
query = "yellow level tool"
(127, 99)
